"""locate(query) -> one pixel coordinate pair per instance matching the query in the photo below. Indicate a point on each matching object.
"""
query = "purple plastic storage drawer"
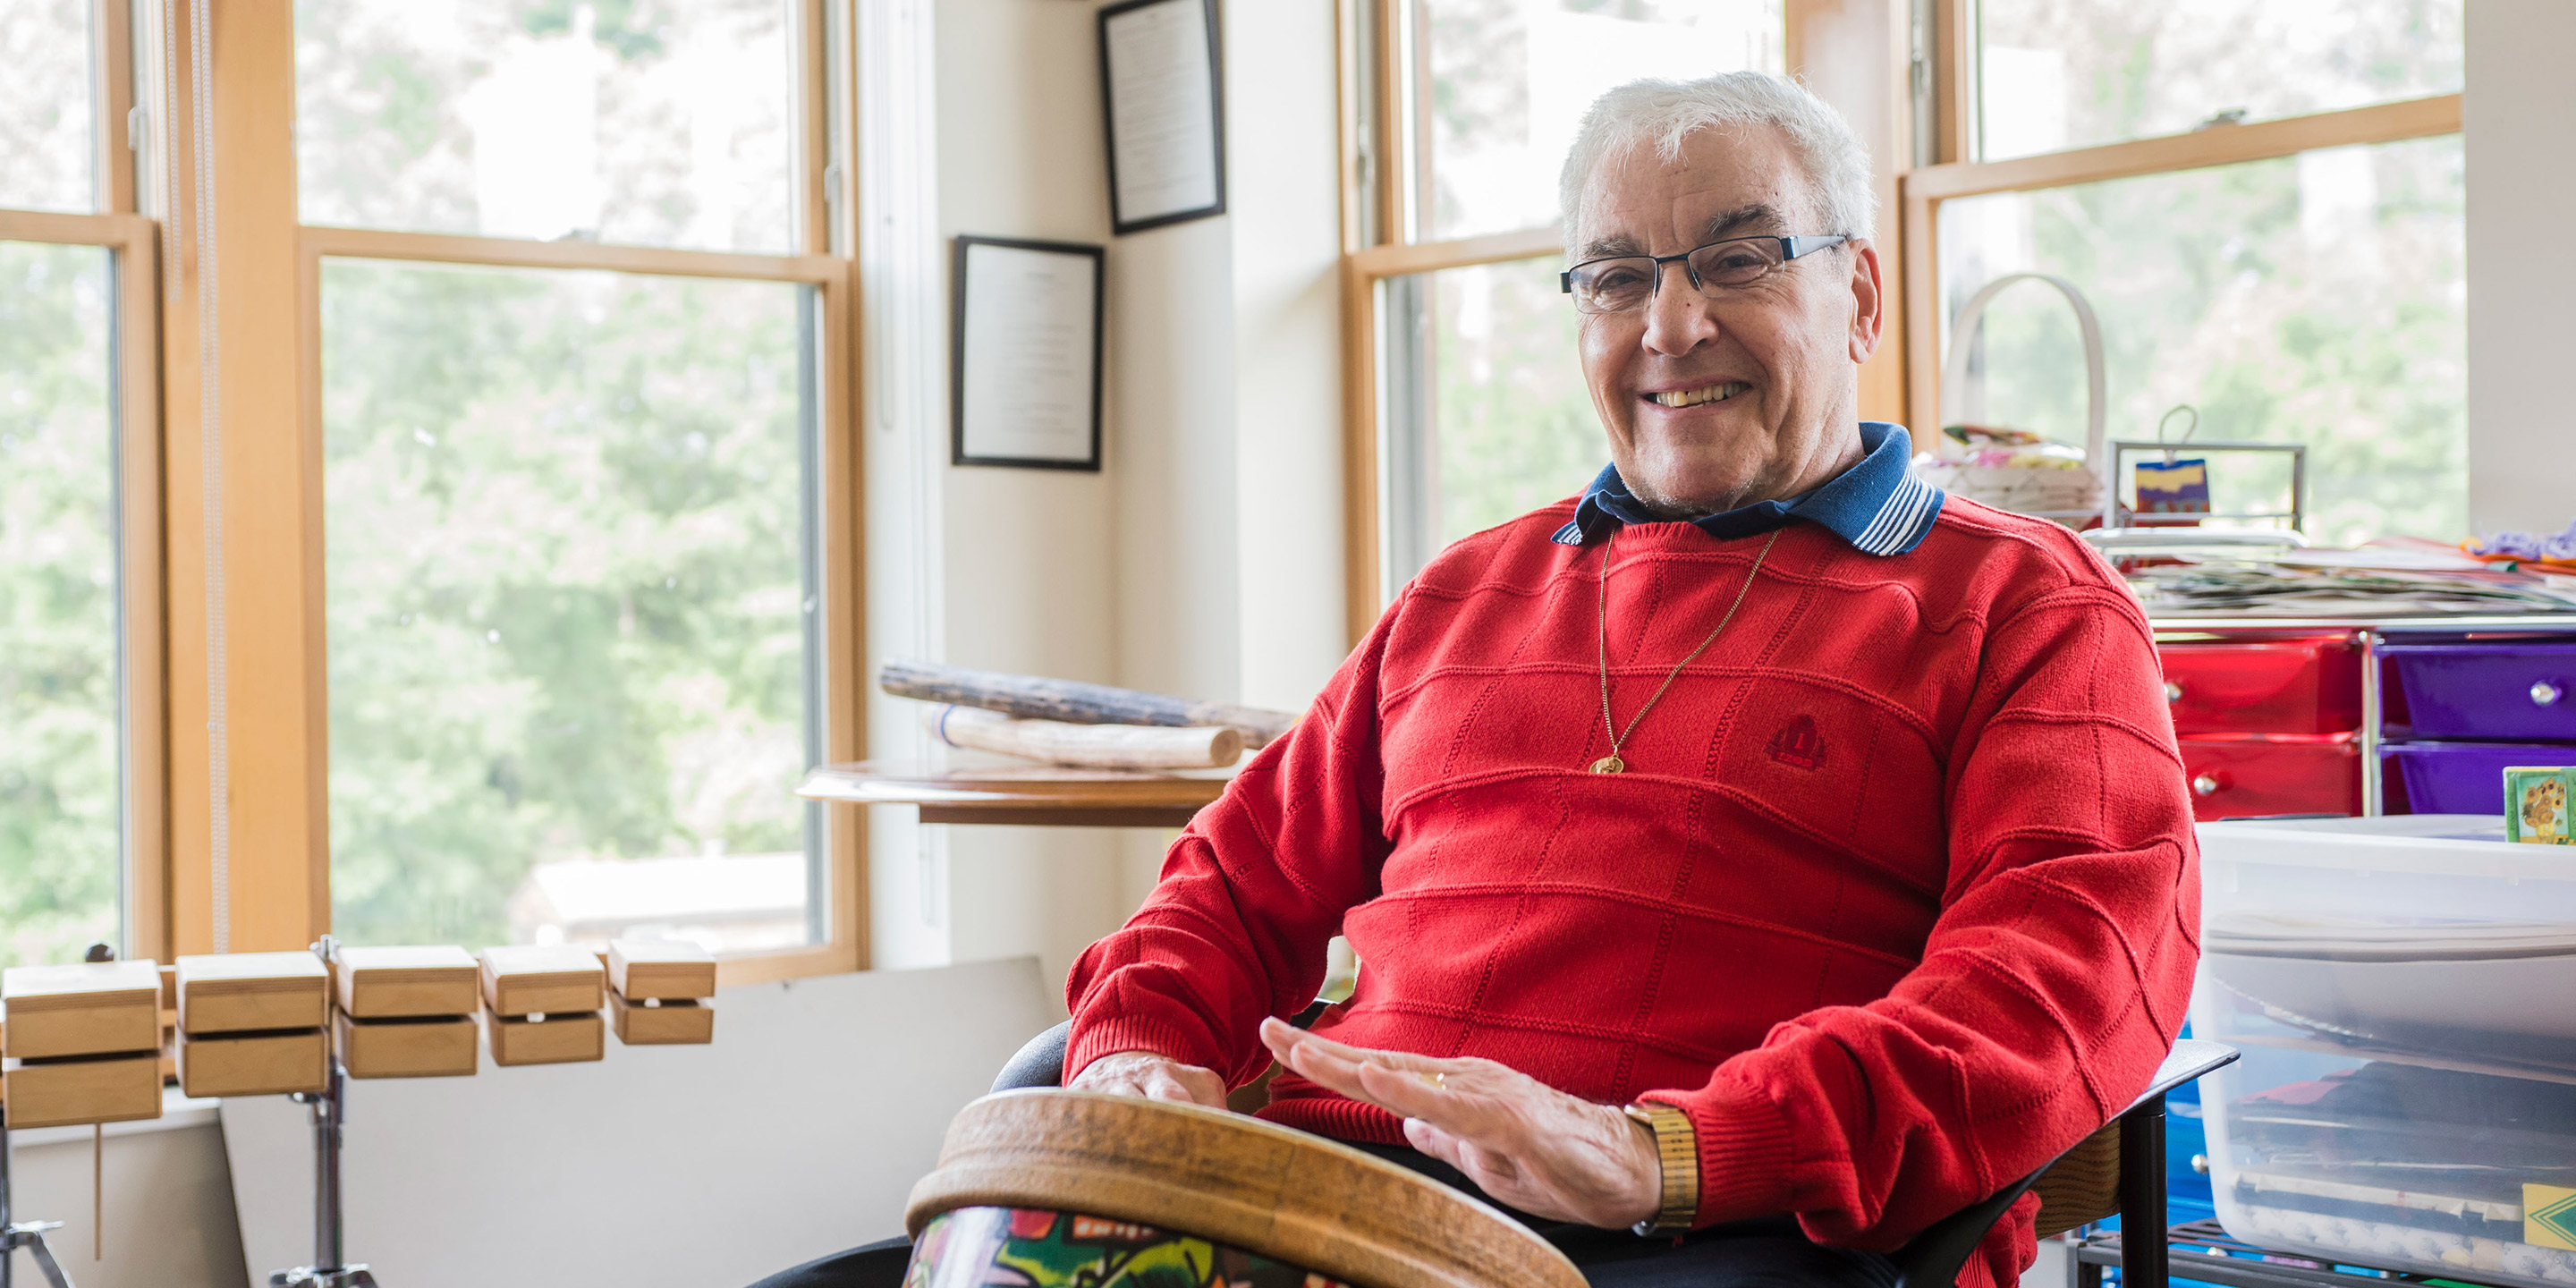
(2499, 689)
(2465, 777)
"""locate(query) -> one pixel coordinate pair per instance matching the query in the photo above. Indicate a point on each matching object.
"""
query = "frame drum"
(1050, 1189)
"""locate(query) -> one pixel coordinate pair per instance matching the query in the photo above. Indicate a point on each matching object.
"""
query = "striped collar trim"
(1877, 505)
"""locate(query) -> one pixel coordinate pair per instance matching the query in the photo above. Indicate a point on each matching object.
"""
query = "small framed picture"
(1025, 354)
(1165, 110)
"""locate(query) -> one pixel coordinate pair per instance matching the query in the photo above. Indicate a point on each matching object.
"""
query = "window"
(2264, 205)
(663, 125)
(569, 566)
(1472, 409)
(2314, 298)
(59, 797)
(2262, 201)
(81, 857)
(1504, 83)
(1496, 421)
(427, 479)
(2058, 74)
(574, 396)
(48, 125)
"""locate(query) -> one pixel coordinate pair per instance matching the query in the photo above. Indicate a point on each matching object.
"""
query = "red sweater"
(1897, 899)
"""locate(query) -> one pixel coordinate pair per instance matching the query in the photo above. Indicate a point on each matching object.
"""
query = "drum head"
(1235, 1180)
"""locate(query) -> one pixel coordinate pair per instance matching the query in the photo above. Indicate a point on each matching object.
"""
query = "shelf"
(1021, 794)
(2202, 1252)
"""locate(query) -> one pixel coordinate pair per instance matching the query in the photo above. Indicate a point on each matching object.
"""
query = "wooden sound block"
(681, 1022)
(101, 1008)
(241, 992)
(660, 968)
(557, 1039)
(395, 983)
(254, 1064)
(441, 1046)
(541, 979)
(78, 1092)
(1230, 1179)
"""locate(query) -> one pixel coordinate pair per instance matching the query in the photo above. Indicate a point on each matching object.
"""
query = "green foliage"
(667, 127)
(45, 112)
(2327, 310)
(565, 594)
(2130, 70)
(1516, 428)
(59, 827)
(627, 26)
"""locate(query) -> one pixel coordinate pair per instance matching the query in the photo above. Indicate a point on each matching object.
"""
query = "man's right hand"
(1155, 1077)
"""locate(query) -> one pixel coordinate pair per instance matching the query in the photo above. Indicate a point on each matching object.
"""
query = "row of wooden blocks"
(82, 1043)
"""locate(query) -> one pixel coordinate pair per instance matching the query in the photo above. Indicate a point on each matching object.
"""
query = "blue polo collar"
(1877, 505)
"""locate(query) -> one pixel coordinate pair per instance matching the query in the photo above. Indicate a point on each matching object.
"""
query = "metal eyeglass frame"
(1791, 248)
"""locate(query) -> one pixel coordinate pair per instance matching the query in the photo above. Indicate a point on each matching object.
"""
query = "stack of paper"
(2312, 581)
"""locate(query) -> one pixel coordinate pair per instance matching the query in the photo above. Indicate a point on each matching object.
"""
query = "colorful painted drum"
(1027, 1248)
(1042, 1188)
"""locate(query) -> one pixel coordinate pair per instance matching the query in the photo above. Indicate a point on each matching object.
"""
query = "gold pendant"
(1609, 764)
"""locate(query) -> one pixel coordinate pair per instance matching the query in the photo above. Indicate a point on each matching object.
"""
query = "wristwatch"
(1677, 1149)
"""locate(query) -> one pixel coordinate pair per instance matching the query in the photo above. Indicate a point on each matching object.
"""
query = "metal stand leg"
(2145, 1255)
(328, 1112)
(23, 1234)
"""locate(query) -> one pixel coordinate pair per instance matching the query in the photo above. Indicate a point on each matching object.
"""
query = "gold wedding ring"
(1435, 1081)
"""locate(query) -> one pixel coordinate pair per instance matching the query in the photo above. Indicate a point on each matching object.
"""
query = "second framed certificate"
(1025, 359)
(1165, 108)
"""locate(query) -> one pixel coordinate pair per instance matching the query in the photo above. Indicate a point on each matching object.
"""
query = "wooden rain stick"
(1094, 745)
(1037, 697)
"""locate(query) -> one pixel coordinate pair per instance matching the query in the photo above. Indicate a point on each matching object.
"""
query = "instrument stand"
(329, 1112)
(23, 1234)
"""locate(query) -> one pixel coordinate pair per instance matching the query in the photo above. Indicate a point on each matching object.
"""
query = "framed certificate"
(1025, 354)
(1165, 112)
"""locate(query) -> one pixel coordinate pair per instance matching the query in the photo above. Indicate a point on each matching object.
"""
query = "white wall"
(2522, 265)
(796, 1134)
(1283, 139)
(168, 1218)
(1205, 558)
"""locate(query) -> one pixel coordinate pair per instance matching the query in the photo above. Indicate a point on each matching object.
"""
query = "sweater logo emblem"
(1799, 744)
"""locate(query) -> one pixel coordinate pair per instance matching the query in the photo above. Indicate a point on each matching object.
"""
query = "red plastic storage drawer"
(2505, 690)
(2310, 685)
(2255, 776)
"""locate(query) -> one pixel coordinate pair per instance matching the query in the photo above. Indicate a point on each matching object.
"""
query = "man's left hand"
(1523, 1142)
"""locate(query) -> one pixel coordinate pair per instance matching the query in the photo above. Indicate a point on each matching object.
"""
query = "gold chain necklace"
(1612, 764)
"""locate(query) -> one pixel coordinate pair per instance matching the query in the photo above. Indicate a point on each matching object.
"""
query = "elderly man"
(1752, 861)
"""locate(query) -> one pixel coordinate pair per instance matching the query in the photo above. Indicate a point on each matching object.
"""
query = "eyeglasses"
(1623, 283)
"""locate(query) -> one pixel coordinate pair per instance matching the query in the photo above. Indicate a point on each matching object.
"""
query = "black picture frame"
(1119, 223)
(957, 354)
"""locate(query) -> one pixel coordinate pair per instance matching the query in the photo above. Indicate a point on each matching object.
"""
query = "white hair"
(1665, 112)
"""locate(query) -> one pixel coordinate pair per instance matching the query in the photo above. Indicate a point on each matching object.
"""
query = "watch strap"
(1677, 1151)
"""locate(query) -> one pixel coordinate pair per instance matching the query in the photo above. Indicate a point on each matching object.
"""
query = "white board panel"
(798, 1133)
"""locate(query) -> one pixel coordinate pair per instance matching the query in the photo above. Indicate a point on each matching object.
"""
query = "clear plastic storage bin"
(2404, 992)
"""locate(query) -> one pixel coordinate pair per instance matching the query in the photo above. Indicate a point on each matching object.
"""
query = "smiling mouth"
(1703, 394)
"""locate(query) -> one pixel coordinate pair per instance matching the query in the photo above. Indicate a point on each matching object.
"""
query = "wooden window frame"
(1853, 50)
(260, 878)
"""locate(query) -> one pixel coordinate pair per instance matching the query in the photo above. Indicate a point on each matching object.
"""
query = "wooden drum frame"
(1070, 1166)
